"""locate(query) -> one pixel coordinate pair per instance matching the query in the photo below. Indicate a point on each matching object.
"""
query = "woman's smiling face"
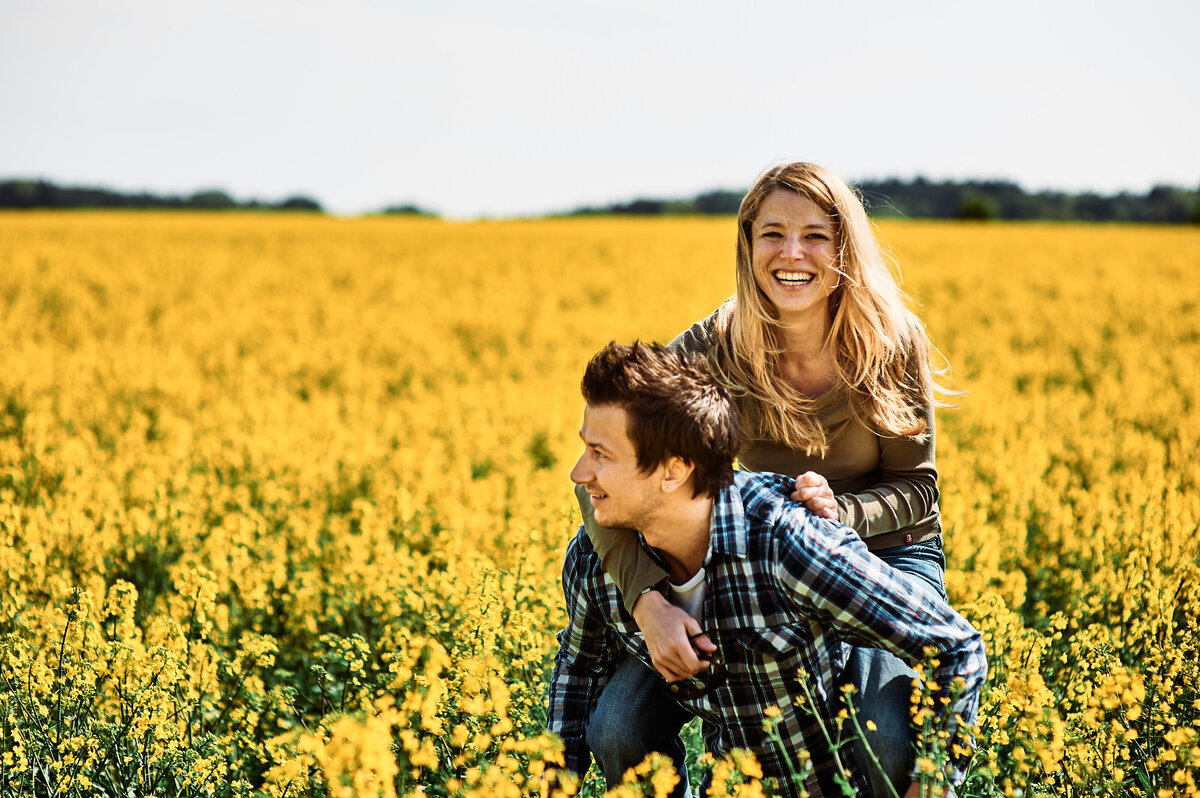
(794, 254)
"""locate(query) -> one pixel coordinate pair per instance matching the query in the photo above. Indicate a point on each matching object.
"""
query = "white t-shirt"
(689, 596)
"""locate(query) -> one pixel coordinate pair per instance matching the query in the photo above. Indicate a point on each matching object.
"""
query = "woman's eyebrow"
(778, 223)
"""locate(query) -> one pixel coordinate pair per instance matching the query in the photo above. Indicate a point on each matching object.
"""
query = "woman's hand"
(813, 491)
(667, 628)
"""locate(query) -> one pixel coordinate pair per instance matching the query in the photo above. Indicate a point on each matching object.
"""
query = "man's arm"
(826, 567)
(587, 655)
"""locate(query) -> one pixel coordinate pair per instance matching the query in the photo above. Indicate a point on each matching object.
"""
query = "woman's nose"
(792, 249)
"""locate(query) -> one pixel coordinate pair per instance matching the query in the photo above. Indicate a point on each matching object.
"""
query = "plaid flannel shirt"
(786, 591)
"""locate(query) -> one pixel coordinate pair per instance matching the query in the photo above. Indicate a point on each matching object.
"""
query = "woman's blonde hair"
(880, 348)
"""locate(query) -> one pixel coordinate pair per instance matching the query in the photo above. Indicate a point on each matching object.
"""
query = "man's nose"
(579, 474)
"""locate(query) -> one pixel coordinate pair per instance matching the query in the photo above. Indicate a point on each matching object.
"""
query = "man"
(776, 589)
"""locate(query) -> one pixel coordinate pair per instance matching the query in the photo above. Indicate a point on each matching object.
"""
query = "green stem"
(62, 648)
(862, 735)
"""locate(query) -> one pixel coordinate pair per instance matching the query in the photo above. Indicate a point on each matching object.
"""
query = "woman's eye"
(772, 235)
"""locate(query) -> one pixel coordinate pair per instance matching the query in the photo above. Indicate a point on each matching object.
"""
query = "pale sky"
(477, 108)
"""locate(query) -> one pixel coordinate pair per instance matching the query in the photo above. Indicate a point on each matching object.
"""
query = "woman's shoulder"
(702, 335)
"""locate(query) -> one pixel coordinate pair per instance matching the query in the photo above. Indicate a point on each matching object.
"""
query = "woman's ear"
(676, 473)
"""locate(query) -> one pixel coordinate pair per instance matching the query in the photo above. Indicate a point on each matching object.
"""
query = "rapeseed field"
(283, 499)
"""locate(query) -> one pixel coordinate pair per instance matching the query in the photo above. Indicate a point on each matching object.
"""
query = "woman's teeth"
(794, 278)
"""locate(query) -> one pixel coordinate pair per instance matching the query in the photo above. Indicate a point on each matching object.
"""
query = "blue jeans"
(883, 683)
(632, 718)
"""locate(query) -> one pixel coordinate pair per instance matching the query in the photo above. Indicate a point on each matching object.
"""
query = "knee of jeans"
(619, 742)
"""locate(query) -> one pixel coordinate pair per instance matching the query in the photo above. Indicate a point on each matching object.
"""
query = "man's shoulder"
(763, 495)
(771, 514)
(581, 556)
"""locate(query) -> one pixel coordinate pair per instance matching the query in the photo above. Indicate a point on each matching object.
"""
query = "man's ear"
(676, 473)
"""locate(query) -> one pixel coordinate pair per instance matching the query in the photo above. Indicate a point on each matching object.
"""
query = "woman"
(833, 378)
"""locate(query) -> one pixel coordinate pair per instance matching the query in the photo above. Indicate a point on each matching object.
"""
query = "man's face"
(621, 494)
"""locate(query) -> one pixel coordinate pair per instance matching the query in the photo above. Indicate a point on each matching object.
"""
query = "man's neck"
(682, 536)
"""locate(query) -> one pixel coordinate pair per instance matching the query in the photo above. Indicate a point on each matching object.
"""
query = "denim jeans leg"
(883, 682)
(632, 718)
(883, 685)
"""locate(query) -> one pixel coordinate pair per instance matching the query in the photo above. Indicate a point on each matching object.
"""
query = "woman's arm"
(907, 491)
(621, 556)
(665, 627)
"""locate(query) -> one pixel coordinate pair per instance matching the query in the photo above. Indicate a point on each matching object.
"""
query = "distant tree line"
(407, 210)
(971, 199)
(29, 194)
(914, 199)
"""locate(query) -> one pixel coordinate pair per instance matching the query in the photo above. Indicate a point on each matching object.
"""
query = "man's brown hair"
(675, 407)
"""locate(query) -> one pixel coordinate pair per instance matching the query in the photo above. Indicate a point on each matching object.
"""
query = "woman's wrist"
(642, 598)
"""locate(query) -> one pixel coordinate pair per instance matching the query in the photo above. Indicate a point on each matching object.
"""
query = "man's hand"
(667, 629)
(813, 491)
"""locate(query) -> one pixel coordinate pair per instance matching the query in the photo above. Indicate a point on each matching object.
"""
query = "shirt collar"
(727, 525)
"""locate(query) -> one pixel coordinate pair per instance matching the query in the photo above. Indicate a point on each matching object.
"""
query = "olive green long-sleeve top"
(885, 486)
